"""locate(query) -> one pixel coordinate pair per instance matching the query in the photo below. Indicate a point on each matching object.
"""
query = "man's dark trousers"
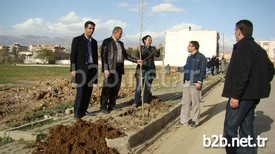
(83, 96)
(240, 119)
(111, 86)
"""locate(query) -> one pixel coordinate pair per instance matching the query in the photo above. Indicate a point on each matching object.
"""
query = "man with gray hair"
(113, 54)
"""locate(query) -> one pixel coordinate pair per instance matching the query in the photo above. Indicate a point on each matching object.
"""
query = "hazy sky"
(67, 17)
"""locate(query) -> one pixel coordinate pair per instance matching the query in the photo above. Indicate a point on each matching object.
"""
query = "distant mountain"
(26, 40)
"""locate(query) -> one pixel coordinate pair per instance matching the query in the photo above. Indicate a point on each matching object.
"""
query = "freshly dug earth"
(86, 137)
(22, 105)
(19, 104)
(82, 137)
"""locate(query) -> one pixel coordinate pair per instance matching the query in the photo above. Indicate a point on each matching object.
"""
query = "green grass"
(12, 74)
(57, 108)
(5, 140)
(18, 76)
(36, 125)
(33, 143)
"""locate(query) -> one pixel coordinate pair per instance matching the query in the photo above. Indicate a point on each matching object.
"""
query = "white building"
(269, 46)
(176, 43)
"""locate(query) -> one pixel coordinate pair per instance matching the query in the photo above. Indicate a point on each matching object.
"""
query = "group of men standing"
(247, 81)
(214, 65)
(84, 68)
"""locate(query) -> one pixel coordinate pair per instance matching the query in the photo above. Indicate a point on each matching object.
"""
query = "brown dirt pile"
(81, 138)
(86, 137)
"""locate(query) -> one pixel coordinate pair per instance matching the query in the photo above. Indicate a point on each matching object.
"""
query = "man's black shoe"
(77, 119)
(110, 109)
(114, 108)
(193, 124)
(90, 113)
(105, 111)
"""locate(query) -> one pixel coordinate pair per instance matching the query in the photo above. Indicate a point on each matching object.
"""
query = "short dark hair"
(88, 23)
(117, 28)
(245, 26)
(195, 44)
(145, 37)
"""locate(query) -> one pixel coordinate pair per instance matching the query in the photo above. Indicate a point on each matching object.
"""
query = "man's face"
(118, 34)
(190, 48)
(237, 34)
(89, 30)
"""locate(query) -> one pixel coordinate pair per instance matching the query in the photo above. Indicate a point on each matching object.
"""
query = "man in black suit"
(84, 68)
(113, 54)
(247, 81)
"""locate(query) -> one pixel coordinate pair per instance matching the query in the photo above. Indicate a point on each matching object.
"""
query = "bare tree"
(142, 8)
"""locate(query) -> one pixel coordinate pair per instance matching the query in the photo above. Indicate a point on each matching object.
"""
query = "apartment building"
(269, 46)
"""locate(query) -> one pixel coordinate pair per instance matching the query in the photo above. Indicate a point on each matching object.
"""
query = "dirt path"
(189, 141)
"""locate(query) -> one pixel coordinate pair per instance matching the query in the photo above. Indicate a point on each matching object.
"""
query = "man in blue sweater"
(194, 73)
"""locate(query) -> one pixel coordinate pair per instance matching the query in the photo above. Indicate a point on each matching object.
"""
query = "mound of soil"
(87, 137)
(82, 137)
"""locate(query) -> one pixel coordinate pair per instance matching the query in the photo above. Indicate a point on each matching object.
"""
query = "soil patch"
(22, 105)
(82, 137)
(89, 137)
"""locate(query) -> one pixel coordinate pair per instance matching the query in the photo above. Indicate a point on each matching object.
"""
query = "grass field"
(17, 76)
(12, 75)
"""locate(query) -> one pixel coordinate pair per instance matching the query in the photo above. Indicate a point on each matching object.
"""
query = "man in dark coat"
(84, 68)
(247, 81)
(113, 54)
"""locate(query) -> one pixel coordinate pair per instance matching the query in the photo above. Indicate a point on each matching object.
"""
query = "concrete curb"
(135, 141)
(16, 134)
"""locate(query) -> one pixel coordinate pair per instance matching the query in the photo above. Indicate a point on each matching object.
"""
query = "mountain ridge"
(26, 40)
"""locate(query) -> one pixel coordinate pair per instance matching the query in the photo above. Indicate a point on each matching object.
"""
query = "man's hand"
(140, 62)
(159, 47)
(173, 69)
(73, 73)
(198, 86)
(106, 73)
(234, 103)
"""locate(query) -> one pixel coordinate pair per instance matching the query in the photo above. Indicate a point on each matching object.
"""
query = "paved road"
(185, 140)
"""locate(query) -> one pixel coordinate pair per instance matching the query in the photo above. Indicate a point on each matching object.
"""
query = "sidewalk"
(190, 141)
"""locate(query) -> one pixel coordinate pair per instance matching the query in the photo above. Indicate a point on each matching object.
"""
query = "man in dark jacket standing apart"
(84, 68)
(113, 54)
(247, 81)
